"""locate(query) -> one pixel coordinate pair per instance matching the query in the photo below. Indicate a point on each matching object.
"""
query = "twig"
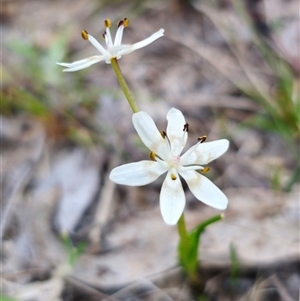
(104, 208)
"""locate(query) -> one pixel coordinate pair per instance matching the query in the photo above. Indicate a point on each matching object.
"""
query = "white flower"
(166, 148)
(113, 49)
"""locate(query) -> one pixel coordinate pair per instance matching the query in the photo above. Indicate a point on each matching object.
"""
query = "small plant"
(73, 252)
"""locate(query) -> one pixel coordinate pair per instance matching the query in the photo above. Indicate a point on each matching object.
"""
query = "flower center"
(174, 162)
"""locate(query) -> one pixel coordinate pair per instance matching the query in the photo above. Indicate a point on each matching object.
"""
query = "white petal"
(150, 135)
(137, 174)
(204, 190)
(205, 152)
(125, 49)
(172, 199)
(149, 40)
(97, 45)
(82, 64)
(130, 48)
(108, 38)
(175, 132)
(119, 35)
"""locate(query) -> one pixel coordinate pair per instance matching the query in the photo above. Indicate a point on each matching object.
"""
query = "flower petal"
(119, 35)
(82, 64)
(204, 153)
(150, 135)
(130, 48)
(205, 190)
(172, 199)
(97, 45)
(108, 38)
(175, 131)
(137, 173)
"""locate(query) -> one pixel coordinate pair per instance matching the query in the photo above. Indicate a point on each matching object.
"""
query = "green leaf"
(74, 252)
(188, 247)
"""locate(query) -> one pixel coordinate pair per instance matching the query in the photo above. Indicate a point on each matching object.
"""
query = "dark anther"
(163, 134)
(120, 23)
(202, 138)
(186, 127)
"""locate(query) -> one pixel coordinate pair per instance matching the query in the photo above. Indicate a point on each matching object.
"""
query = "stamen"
(103, 35)
(152, 156)
(173, 177)
(126, 22)
(84, 34)
(201, 139)
(120, 23)
(163, 134)
(205, 169)
(107, 23)
(186, 127)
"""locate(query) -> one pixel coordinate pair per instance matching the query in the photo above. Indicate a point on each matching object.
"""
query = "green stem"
(124, 86)
(181, 227)
(185, 243)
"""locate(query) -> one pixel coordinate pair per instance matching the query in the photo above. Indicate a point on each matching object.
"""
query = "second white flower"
(166, 148)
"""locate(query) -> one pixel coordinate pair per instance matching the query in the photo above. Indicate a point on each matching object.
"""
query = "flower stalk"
(124, 86)
(181, 227)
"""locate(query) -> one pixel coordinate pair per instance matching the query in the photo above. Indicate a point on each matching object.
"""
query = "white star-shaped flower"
(166, 148)
(113, 49)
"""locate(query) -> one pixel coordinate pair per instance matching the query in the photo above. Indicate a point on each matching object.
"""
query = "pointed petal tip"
(69, 70)
(112, 176)
(174, 110)
(223, 147)
(223, 206)
(159, 33)
(226, 144)
(170, 223)
(170, 220)
(60, 64)
(221, 203)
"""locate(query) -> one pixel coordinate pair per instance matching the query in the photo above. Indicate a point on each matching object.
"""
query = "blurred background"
(67, 232)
